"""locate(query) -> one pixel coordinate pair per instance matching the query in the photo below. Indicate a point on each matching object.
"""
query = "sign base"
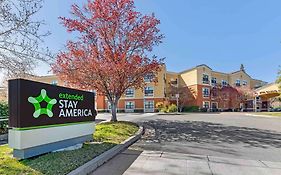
(38, 150)
(33, 142)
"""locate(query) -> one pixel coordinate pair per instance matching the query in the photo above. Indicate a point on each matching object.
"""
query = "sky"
(222, 34)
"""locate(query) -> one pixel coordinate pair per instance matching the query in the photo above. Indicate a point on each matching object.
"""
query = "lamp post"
(177, 96)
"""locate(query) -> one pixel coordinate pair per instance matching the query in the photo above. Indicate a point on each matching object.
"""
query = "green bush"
(191, 109)
(3, 127)
(172, 108)
(169, 109)
(203, 110)
(4, 111)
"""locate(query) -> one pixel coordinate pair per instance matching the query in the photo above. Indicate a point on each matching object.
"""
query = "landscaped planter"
(109, 141)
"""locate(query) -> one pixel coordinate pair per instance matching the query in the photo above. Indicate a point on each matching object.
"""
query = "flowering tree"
(232, 97)
(111, 52)
(227, 96)
(182, 95)
(245, 93)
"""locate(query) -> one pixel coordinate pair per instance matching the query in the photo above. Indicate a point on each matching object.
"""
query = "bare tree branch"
(21, 39)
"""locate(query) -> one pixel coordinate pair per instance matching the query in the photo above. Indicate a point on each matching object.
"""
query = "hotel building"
(197, 83)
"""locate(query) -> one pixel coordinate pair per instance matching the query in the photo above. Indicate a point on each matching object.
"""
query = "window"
(238, 82)
(206, 104)
(245, 83)
(148, 92)
(54, 82)
(214, 105)
(258, 98)
(224, 83)
(214, 81)
(174, 82)
(148, 77)
(205, 79)
(149, 104)
(206, 92)
(130, 92)
(130, 105)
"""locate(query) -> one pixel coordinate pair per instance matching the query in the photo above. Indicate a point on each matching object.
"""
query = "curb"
(265, 116)
(3, 137)
(92, 165)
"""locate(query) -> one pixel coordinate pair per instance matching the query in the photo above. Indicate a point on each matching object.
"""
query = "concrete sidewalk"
(164, 163)
(181, 164)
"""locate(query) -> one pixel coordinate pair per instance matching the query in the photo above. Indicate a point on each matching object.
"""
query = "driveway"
(232, 136)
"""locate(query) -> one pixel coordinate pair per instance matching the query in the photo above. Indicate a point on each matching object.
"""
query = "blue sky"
(222, 34)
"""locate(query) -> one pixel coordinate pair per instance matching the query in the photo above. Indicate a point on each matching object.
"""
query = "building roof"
(201, 65)
(169, 72)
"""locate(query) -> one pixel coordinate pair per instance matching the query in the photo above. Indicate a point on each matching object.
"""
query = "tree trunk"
(114, 111)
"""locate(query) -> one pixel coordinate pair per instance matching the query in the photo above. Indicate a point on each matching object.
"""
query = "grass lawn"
(277, 114)
(107, 135)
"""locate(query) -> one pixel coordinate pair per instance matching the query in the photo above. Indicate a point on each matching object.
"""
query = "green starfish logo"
(36, 103)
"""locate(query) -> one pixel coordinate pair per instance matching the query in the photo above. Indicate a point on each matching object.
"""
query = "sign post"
(45, 118)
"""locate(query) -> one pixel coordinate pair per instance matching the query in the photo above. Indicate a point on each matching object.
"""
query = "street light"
(177, 96)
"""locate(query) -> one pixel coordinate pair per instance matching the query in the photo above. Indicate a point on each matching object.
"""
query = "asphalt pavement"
(222, 140)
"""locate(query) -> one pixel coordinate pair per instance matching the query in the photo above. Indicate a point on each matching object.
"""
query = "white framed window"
(245, 83)
(258, 98)
(148, 106)
(206, 92)
(129, 105)
(224, 83)
(54, 82)
(148, 77)
(214, 81)
(148, 91)
(130, 92)
(238, 82)
(205, 79)
(206, 104)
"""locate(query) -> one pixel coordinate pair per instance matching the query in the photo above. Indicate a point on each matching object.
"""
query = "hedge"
(4, 110)
(191, 109)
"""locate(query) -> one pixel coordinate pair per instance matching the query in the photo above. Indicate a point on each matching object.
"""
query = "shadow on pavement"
(119, 164)
(212, 133)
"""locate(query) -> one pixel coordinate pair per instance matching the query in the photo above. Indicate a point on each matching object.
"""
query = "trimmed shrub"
(138, 111)
(4, 110)
(191, 109)
(204, 110)
(172, 108)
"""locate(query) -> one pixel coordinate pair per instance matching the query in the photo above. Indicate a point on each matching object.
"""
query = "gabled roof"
(170, 72)
(201, 65)
(241, 71)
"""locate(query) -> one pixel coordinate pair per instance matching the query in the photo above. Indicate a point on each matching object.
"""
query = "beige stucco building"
(196, 82)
